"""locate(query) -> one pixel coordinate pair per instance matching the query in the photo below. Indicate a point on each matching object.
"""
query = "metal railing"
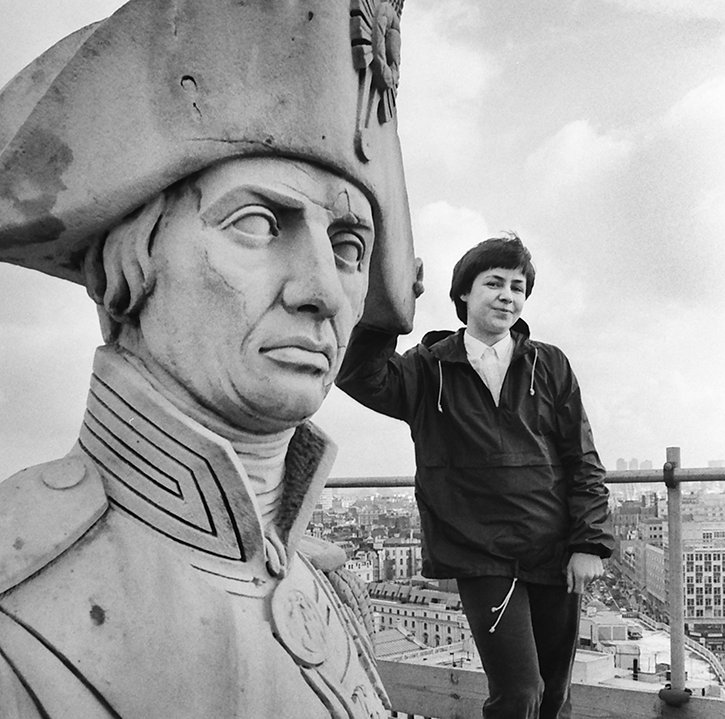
(672, 475)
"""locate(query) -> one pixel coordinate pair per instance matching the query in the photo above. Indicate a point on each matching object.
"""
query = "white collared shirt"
(490, 362)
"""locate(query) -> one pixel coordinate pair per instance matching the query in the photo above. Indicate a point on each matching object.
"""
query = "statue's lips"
(301, 352)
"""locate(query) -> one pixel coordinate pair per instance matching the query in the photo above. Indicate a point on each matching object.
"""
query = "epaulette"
(43, 511)
(330, 559)
(353, 592)
(325, 556)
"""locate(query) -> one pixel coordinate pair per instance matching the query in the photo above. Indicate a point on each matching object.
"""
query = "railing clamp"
(668, 471)
(675, 697)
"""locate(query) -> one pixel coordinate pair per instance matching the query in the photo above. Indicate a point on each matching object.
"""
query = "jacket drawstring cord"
(532, 391)
(440, 386)
(502, 607)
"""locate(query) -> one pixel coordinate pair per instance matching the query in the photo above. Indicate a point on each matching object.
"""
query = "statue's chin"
(280, 409)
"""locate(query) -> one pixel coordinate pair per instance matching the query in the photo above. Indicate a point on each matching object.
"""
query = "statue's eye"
(254, 221)
(349, 249)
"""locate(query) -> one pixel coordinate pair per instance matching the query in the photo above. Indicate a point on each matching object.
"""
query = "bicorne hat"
(122, 109)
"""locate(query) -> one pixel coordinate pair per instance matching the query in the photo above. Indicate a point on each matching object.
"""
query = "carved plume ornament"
(375, 31)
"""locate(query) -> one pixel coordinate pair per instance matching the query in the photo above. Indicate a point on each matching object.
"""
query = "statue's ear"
(119, 271)
(93, 273)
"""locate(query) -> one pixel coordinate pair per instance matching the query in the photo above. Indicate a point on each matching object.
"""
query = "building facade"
(399, 558)
(434, 618)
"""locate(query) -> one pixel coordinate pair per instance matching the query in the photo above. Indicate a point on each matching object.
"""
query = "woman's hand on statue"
(581, 570)
(418, 287)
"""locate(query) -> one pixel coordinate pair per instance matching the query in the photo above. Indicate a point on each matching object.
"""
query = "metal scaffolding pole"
(676, 593)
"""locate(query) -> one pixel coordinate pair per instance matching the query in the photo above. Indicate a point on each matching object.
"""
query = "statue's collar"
(184, 481)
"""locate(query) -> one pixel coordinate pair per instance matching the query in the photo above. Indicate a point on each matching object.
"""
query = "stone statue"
(225, 178)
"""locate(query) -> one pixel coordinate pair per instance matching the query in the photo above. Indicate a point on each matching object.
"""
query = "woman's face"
(494, 303)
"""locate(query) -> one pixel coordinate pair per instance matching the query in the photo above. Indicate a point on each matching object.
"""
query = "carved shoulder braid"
(353, 594)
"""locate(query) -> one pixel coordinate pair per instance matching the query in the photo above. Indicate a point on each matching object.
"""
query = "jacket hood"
(432, 338)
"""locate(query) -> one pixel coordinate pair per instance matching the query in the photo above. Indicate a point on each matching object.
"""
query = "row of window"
(707, 589)
(708, 567)
(699, 576)
(405, 612)
(703, 601)
(391, 621)
(437, 640)
(701, 613)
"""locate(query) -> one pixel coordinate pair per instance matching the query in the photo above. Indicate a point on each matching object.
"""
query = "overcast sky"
(593, 128)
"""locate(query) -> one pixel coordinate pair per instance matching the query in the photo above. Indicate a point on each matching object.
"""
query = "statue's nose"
(313, 284)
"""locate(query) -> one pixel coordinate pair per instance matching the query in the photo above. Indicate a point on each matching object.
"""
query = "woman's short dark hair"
(507, 252)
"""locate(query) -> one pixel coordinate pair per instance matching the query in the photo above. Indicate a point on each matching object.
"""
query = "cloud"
(631, 221)
(30, 27)
(575, 160)
(652, 380)
(648, 200)
(442, 91)
(443, 232)
(512, 115)
(674, 192)
(705, 9)
(703, 106)
(48, 332)
(369, 443)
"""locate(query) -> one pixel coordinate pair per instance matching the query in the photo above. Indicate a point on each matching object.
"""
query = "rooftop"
(395, 641)
(439, 692)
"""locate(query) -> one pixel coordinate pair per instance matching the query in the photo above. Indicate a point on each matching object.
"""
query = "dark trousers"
(528, 659)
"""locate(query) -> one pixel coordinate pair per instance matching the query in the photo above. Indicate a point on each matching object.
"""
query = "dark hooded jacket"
(511, 490)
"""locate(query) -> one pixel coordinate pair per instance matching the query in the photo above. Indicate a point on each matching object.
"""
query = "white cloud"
(48, 333)
(676, 194)
(442, 91)
(626, 223)
(700, 118)
(443, 233)
(703, 106)
(646, 203)
(694, 129)
(30, 27)
(369, 444)
(633, 221)
(575, 159)
(656, 383)
(707, 9)
(711, 207)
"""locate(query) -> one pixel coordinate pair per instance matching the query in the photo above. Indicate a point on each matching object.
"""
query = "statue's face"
(261, 274)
